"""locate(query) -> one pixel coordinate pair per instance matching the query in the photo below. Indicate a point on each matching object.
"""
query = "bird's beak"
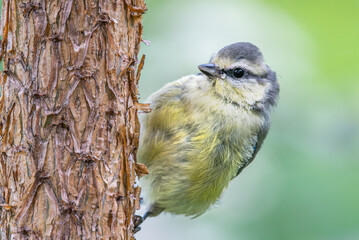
(209, 70)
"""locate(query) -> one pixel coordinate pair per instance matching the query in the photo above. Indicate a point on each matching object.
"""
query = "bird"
(204, 129)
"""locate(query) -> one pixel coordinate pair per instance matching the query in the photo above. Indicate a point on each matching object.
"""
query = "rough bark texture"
(68, 118)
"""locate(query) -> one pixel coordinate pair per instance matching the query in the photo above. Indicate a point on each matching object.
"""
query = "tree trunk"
(68, 118)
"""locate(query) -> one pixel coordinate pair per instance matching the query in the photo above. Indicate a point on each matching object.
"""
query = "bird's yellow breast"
(193, 143)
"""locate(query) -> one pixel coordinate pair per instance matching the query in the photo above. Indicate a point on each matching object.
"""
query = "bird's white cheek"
(253, 92)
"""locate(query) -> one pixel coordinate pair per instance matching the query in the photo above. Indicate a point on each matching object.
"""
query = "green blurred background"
(304, 183)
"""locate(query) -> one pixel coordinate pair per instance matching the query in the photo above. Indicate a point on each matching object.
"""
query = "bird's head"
(240, 75)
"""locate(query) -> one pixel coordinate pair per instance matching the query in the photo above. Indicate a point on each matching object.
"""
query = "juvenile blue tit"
(204, 129)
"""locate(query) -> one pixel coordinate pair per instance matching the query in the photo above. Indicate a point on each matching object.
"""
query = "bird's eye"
(238, 72)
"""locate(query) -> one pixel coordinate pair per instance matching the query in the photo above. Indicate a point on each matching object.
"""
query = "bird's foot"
(138, 221)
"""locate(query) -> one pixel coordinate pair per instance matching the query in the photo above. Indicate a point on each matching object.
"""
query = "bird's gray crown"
(241, 50)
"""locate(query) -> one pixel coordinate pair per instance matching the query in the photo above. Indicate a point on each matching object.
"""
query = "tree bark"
(68, 118)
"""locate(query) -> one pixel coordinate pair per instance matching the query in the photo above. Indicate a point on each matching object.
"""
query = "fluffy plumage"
(204, 129)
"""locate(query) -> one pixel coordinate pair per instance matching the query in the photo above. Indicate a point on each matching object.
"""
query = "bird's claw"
(137, 222)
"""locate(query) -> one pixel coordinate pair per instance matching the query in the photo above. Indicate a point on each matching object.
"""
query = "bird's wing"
(162, 127)
(260, 138)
